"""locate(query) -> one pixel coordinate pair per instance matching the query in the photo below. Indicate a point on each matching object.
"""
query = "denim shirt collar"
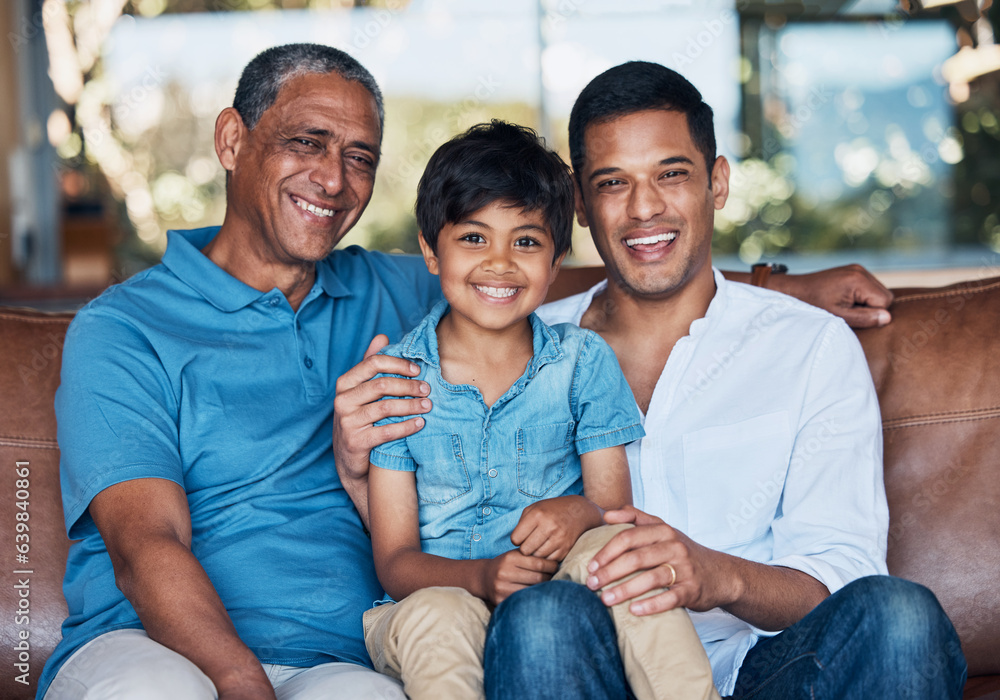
(421, 343)
(184, 258)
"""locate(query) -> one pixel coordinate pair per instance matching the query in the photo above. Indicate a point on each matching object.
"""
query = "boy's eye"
(473, 238)
(525, 241)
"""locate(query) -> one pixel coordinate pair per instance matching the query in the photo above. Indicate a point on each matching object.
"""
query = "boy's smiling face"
(495, 265)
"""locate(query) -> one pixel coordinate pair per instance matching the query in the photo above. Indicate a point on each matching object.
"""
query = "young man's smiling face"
(495, 265)
(301, 178)
(649, 200)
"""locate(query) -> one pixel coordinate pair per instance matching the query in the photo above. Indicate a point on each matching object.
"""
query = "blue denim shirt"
(478, 466)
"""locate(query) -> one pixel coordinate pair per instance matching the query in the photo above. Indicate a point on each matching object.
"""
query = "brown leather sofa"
(937, 369)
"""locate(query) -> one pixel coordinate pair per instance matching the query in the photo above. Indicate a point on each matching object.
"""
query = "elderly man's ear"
(229, 134)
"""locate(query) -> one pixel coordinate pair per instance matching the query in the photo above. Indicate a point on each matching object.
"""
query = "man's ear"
(581, 213)
(720, 182)
(429, 257)
(229, 134)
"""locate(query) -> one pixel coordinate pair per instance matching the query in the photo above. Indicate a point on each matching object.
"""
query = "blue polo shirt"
(477, 466)
(187, 374)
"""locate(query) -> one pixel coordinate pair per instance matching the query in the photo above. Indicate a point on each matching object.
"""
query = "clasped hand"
(544, 535)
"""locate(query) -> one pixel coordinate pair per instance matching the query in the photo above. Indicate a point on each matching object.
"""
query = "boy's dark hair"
(494, 162)
(634, 87)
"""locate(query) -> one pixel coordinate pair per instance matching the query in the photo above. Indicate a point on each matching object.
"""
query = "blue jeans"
(878, 637)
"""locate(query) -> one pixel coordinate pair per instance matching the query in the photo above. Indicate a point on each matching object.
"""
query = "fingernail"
(425, 388)
(414, 368)
(419, 422)
(608, 598)
(637, 609)
(592, 567)
(884, 317)
(425, 404)
(592, 583)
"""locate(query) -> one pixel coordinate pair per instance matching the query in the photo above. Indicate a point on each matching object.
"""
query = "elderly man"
(218, 552)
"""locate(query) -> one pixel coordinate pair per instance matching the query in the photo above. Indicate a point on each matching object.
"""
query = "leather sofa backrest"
(937, 371)
(30, 359)
(936, 368)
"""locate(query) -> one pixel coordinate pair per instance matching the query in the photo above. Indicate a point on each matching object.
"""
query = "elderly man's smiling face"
(301, 178)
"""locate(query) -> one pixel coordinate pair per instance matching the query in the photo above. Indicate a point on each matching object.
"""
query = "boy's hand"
(512, 571)
(549, 529)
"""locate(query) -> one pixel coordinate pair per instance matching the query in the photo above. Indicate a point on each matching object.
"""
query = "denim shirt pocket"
(441, 475)
(543, 452)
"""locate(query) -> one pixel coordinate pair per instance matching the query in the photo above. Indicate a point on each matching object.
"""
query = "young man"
(763, 447)
(524, 445)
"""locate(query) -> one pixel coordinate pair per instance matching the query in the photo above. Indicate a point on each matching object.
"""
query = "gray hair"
(269, 70)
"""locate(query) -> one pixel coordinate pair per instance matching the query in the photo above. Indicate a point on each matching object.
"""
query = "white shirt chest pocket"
(735, 475)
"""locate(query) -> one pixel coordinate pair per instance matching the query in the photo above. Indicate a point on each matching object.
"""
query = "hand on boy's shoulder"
(359, 405)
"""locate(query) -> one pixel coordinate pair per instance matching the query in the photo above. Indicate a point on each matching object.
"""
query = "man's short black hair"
(634, 87)
(495, 162)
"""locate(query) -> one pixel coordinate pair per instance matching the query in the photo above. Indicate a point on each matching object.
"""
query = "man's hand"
(850, 292)
(511, 571)
(358, 406)
(549, 528)
(652, 547)
(768, 597)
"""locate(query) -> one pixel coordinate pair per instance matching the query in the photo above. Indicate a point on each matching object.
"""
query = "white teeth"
(630, 242)
(497, 292)
(313, 209)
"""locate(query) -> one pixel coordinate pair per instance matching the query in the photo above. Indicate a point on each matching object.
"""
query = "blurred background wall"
(859, 130)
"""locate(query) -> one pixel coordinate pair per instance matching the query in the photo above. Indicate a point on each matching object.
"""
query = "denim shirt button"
(476, 537)
(493, 473)
(487, 510)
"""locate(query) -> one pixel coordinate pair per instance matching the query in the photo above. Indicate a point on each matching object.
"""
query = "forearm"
(357, 489)
(410, 570)
(769, 597)
(180, 608)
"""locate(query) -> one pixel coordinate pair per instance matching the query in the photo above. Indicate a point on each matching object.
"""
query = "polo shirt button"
(487, 510)
(493, 473)
(309, 362)
(477, 537)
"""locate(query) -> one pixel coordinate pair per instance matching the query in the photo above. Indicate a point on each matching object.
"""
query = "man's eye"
(675, 177)
(609, 183)
(306, 142)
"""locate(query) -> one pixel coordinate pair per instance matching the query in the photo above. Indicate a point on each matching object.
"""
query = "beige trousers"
(433, 640)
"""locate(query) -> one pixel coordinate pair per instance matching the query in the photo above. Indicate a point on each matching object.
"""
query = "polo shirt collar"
(421, 343)
(184, 258)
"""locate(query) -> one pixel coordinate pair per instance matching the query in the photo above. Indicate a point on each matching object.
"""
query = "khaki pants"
(433, 640)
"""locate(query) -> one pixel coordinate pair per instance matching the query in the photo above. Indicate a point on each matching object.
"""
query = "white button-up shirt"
(763, 440)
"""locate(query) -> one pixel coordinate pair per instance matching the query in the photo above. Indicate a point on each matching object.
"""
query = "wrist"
(766, 274)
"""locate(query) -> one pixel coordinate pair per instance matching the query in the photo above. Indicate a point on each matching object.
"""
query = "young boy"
(524, 445)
